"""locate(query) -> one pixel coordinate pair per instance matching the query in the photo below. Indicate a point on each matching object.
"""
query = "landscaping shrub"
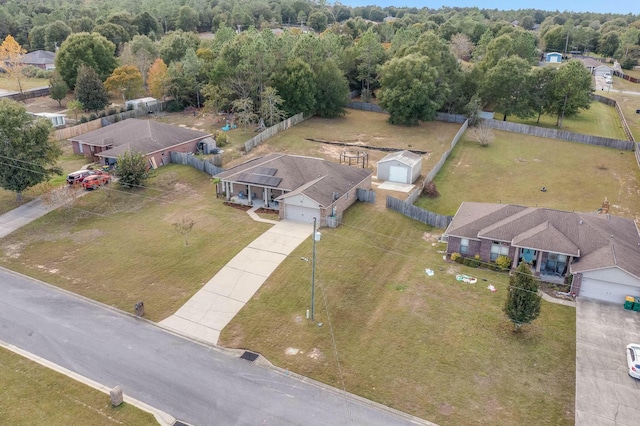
(102, 114)
(83, 119)
(130, 107)
(116, 118)
(93, 116)
(430, 190)
(173, 106)
(221, 138)
(112, 111)
(473, 262)
(457, 257)
(467, 261)
(503, 262)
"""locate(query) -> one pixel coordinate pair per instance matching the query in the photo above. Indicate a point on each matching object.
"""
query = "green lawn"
(429, 346)
(514, 168)
(33, 395)
(120, 246)
(7, 83)
(599, 120)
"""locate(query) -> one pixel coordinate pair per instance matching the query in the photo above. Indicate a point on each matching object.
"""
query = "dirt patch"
(445, 409)
(13, 251)
(316, 354)
(86, 235)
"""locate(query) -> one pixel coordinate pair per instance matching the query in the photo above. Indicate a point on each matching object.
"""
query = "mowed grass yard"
(599, 120)
(429, 346)
(120, 246)
(34, 395)
(514, 168)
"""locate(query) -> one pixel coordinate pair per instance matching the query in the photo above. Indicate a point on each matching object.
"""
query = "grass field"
(429, 346)
(119, 247)
(33, 395)
(9, 84)
(599, 120)
(514, 168)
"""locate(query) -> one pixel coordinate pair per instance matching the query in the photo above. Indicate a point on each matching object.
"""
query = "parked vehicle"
(94, 181)
(608, 80)
(633, 360)
(79, 176)
(606, 75)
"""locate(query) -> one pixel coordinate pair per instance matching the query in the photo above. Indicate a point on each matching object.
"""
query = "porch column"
(249, 194)
(227, 191)
(569, 262)
(538, 262)
(516, 257)
(264, 197)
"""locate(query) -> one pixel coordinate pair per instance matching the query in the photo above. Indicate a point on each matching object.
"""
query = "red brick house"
(601, 251)
(152, 139)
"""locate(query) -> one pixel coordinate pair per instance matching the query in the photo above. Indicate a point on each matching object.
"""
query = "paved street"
(192, 382)
(605, 394)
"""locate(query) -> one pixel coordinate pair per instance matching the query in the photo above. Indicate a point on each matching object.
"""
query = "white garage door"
(301, 214)
(398, 174)
(603, 290)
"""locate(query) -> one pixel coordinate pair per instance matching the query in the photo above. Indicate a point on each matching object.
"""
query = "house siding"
(164, 159)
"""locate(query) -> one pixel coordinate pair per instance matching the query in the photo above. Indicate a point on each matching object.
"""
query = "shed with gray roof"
(400, 166)
(600, 251)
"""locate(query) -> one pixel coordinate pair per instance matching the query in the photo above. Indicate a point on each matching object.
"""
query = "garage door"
(398, 174)
(301, 214)
(607, 291)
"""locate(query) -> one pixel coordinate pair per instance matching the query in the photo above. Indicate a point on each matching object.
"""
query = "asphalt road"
(194, 383)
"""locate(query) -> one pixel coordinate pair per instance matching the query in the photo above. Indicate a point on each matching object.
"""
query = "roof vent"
(581, 222)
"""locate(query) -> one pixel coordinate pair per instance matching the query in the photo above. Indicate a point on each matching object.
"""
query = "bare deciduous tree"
(461, 45)
(184, 227)
(481, 134)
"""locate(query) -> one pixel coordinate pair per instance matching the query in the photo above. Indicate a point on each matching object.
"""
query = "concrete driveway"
(605, 394)
(211, 308)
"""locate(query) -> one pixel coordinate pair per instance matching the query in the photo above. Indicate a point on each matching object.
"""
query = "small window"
(464, 245)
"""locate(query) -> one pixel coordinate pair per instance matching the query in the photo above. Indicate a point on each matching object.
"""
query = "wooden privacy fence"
(416, 213)
(365, 195)
(189, 159)
(638, 153)
(70, 132)
(558, 134)
(271, 131)
(28, 94)
(626, 77)
(623, 120)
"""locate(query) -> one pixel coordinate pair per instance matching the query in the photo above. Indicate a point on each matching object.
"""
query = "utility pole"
(313, 272)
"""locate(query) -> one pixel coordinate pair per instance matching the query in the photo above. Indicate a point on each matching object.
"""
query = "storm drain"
(249, 356)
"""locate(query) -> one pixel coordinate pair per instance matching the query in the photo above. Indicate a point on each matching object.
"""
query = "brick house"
(600, 250)
(298, 187)
(153, 139)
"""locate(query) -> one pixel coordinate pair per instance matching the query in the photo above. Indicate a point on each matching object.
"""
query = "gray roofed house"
(40, 58)
(298, 187)
(152, 139)
(600, 250)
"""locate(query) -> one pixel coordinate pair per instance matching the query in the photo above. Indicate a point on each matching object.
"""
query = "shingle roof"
(39, 57)
(316, 178)
(145, 136)
(406, 157)
(599, 240)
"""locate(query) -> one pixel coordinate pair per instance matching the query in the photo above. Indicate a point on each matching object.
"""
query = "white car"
(633, 360)
(607, 75)
(608, 80)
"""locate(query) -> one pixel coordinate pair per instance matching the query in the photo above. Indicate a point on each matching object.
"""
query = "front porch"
(258, 203)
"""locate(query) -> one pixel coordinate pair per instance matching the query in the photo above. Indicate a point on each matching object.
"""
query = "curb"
(163, 419)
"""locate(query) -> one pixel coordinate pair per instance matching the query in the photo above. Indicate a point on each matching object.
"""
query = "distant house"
(601, 251)
(553, 57)
(152, 139)
(400, 166)
(40, 58)
(57, 120)
(299, 188)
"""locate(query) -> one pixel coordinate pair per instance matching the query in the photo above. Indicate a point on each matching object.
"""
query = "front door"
(528, 255)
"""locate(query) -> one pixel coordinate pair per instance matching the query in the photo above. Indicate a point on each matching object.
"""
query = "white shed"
(146, 103)
(401, 166)
(57, 120)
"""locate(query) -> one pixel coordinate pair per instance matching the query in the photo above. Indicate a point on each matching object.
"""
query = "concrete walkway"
(215, 305)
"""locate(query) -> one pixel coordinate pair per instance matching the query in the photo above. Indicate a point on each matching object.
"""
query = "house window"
(499, 249)
(464, 245)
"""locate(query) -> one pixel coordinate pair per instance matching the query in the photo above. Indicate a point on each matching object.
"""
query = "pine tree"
(523, 302)
(90, 90)
(57, 88)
